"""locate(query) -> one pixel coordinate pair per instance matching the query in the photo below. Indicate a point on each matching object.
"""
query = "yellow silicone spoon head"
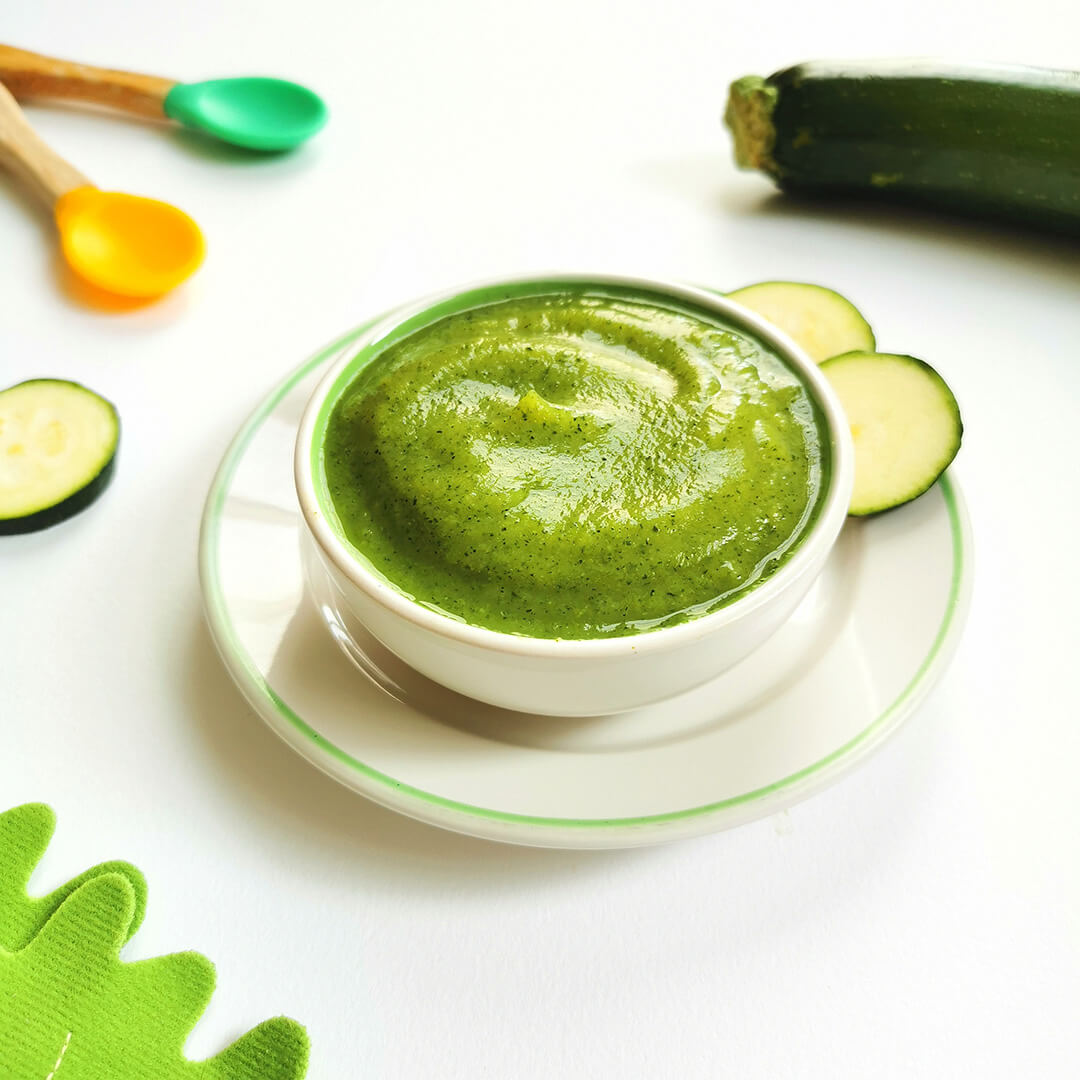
(126, 244)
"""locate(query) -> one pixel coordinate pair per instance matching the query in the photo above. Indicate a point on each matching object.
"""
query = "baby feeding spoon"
(257, 113)
(124, 244)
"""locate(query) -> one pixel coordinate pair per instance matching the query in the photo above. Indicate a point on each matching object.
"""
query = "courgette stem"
(749, 115)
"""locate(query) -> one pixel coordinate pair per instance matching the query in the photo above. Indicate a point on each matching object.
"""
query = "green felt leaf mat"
(70, 1009)
(25, 833)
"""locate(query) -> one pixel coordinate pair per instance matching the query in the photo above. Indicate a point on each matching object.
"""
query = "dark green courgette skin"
(61, 511)
(1001, 143)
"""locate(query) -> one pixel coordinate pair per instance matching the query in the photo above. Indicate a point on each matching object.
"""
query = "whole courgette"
(1001, 142)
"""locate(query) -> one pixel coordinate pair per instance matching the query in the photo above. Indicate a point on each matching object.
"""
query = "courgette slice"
(996, 141)
(58, 444)
(904, 421)
(822, 321)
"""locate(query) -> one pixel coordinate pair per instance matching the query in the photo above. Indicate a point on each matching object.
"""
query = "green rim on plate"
(236, 656)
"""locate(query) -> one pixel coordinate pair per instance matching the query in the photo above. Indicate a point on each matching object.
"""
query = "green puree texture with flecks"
(575, 465)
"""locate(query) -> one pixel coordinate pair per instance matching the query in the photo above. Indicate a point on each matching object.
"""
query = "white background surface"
(919, 919)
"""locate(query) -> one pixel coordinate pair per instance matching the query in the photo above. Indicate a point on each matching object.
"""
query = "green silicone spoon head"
(258, 113)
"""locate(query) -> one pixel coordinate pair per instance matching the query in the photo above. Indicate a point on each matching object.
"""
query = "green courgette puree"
(575, 465)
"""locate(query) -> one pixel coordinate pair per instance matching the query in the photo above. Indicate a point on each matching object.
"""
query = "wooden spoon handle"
(43, 171)
(29, 74)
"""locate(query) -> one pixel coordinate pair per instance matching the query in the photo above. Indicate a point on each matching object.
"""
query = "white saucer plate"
(830, 686)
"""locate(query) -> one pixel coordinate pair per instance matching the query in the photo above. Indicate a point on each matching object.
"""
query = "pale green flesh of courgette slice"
(820, 320)
(58, 441)
(904, 421)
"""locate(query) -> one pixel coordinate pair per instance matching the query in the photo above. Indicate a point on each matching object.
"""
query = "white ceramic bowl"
(569, 677)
